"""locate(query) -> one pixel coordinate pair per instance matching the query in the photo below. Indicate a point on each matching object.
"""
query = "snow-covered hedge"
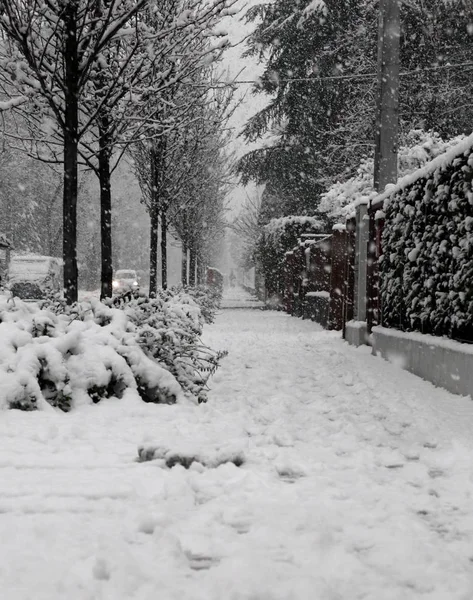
(279, 236)
(427, 264)
(53, 355)
(418, 149)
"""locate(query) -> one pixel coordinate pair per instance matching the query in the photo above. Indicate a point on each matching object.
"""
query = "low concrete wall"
(443, 362)
(356, 333)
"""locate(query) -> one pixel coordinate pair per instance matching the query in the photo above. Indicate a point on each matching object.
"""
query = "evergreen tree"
(320, 63)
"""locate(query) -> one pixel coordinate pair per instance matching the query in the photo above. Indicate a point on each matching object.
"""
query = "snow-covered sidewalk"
(357, 483)
(238, 297)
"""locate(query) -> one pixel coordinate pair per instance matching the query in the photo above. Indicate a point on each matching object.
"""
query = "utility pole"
(387, 123)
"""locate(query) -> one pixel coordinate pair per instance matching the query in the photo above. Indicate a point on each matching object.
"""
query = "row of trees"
(320, 61)
(31, 215)
(89, 80)
(183, 175)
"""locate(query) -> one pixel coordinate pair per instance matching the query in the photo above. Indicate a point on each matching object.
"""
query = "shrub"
(427, 264)
(279, 236)
(168, 329)
(207, 298)
(57, 355)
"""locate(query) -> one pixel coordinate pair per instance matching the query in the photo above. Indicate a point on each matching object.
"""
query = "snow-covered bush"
(419, 148)
(52, 354)
(427, 264)
(207, 298)
(279, 236)
(168, 329)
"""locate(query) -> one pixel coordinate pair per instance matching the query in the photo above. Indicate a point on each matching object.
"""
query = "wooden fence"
(318, 282)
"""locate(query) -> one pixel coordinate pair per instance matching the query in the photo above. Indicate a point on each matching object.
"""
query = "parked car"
(125, 280)
(32, 277)
(142, 277)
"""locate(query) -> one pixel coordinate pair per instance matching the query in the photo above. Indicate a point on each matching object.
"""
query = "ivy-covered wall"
(426, 268)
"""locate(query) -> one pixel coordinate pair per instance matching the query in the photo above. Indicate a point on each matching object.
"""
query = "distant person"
(232, 278)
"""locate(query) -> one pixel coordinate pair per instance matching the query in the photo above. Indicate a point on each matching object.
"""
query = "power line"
(352, 77)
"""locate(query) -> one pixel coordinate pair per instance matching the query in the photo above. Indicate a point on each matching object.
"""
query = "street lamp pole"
(387, 123)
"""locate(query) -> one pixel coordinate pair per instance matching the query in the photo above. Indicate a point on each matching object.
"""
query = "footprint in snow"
(101, 570)
(412, 456)
(238, 519)
(242, 528)
(201, 562)
(434, 473)
(348, 379)
(290, 474)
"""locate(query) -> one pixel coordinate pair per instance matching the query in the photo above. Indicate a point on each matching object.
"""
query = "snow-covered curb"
(444, 362)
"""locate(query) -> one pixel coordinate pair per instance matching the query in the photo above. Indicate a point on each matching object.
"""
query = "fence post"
(355, 331)
(338, 262)
(349, 274)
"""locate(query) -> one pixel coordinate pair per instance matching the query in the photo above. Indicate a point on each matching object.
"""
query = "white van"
(32, 277)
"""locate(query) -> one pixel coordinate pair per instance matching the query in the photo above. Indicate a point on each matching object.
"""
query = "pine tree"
(320, 63)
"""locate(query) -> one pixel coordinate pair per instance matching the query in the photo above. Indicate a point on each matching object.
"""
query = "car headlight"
(135, 283)
(115, 284)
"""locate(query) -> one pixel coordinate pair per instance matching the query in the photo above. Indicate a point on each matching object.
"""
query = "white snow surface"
(238, 297)
(357, 483)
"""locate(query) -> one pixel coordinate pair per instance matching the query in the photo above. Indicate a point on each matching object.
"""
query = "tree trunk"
(49, 233)
(164, 250)
(71, 124)
(105, 210)
(198, 270)
(192, 266)
(154, 217)
(184, 264)
(153, 250)
(201, 269)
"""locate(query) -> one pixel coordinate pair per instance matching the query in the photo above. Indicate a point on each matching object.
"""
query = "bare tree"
(174, 170)
(199, 188)
(49, 56)
(109, 62)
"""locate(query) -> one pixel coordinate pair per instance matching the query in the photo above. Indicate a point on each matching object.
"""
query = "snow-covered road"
(357, 483)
